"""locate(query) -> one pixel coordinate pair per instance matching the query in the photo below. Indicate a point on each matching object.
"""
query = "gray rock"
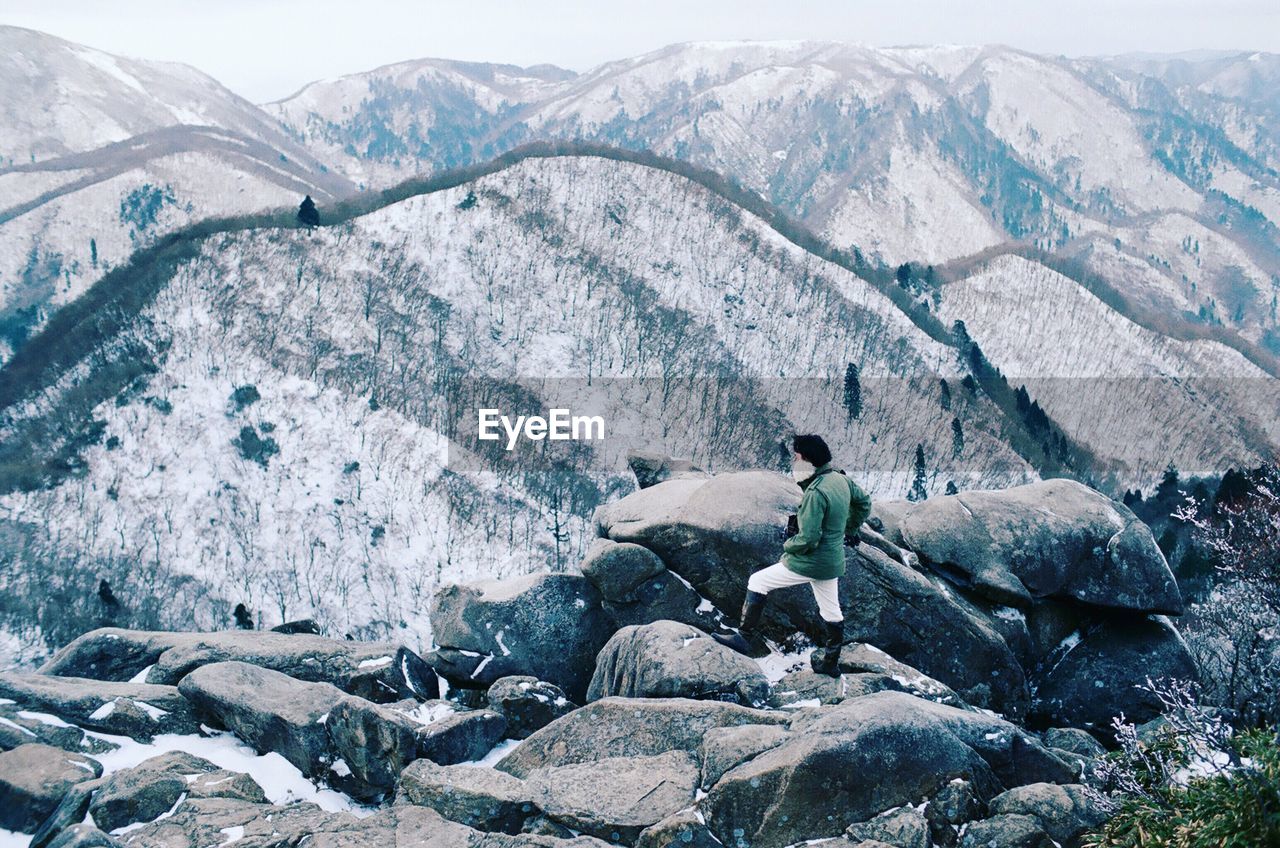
(628, 727)
(724, 748)
(549, 626)
(902, 828)
(865, 755)
(151, 788)
(33, 780)
(84, 836)
(671, 660)
(18, 729)
(666, 597)
(483, 798)
(527, 703)
(268, 710)
(1097, 678)
(713, 532)
(137, 710)
(922, 622)
(803, 687)
(683, 829)
(1007, 831)
(617, 569)
(1065, 812)
(1055, 538)
(73, 807)
(653, 468)
(616, 798)
(378, 671)
(950, 808)
(375, 742)
(861, 658)
(1072, 739)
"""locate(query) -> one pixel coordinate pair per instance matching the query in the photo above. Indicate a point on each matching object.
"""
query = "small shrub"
(1192, 784)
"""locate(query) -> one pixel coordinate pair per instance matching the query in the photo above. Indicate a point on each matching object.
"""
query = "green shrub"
(1232, 808)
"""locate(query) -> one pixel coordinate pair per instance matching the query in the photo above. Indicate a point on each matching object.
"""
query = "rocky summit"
(990, 638)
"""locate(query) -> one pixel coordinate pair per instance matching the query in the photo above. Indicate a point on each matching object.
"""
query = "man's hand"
(793, 527)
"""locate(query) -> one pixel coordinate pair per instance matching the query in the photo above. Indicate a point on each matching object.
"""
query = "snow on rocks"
(667, 659)
(527, 703)
(33, 780)
(549, 626)
(136, 710)
(379, 671)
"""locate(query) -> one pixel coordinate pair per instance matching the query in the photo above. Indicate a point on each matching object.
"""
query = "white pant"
(778, 576)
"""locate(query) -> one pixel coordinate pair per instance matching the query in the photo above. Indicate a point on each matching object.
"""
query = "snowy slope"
(99, 155)
(603, 286)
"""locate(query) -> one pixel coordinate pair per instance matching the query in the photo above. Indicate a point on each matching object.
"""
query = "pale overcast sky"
(266, 49)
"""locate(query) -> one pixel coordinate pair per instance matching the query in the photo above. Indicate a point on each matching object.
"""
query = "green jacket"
(832, 507)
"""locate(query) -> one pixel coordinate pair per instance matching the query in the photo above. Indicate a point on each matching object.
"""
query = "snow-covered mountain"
(288, 421)
(1160, 174)
(100, 154)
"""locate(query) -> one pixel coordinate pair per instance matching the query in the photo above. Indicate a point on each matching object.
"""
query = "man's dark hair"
(812, 448)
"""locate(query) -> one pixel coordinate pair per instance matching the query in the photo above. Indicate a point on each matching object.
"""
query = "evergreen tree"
(93, 252)
(951, 488)
(957, 437)
(904, 275)
(946, 394)
(307, 214)
(919, 490)
(244, 618)
(852, 392)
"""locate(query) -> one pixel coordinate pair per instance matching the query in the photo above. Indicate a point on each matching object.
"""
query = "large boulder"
(636, 588)
(527, 703)
(866, 755)
(1097, 677)
(152, 788)
(269, 710)
(33, 780)
(371, 744)
(1064, 812)
(653, 468)
(713, 532)
(137, 710)
(682, 829)
(918, 619)
(617, 797)
(1009, 830)
(483, 798)
(861, 658)
(21, 727)
(1054, 538)
(628, 727)
(671, 660)
(549, 626)
(904, 827)
(378, 671)
(724, 748)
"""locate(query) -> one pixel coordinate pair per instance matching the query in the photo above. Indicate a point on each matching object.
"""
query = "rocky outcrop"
(1066, 812)
(653, 468)
(527, 704)
(19, 726)
(866, 755)
(1055, 538)
(1094, 678)
(628, 727)
(671, 660)
(482, 798)
(377, 671)
(1006, 831)
(636, 588)
(615, 798)
(152, 788)
(33, 780)
(548, 626)
(137, 710)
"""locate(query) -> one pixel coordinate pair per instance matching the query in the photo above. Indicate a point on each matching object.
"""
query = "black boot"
(826, 660)
(747, 640)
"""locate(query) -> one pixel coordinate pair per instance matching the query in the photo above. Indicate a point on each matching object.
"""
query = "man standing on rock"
(832, 507)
